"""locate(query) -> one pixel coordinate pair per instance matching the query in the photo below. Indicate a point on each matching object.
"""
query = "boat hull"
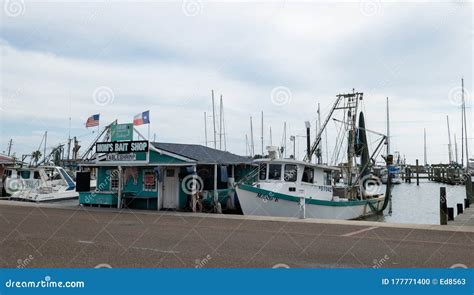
(37, 197)
(256, 201)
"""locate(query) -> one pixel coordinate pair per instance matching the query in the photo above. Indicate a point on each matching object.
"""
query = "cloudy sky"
(62, 59)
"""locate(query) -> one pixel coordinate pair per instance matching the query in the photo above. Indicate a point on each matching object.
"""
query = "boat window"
(36, 175)
(274, 172)
(114, 180)
(149, 180)
(291, 171)
(327, 177)
(25, 174)
(308, 175)
(262, 171)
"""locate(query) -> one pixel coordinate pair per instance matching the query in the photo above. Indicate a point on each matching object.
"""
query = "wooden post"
(443, 206)
(417, 173)
(450, 214)
(469, 192)
(216, 193)
(460, 209)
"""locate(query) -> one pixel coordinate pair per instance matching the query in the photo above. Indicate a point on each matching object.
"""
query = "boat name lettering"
(265, 197)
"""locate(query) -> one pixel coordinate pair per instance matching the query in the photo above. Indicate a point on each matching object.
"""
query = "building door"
(170, 189)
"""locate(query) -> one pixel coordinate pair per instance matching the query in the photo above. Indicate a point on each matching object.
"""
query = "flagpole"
(148, 131)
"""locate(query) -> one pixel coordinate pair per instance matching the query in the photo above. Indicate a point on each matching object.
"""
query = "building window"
(149, 180)
(274, 172)
(291, 172)
(169, 172)
(114, 180)
(308, 175)
(262, 171)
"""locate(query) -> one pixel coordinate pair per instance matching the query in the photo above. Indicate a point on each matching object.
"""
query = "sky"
(63, 61)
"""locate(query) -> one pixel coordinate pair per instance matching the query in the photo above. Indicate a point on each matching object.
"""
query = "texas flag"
(143, 118)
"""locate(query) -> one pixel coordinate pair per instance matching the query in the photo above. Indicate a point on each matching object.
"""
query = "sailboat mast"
(214, 120)
(205, 127)
(262, 134)
(424, 147)
(450, 152)
(388, 128)
(252, 146)
(465, 125)
(456, 149)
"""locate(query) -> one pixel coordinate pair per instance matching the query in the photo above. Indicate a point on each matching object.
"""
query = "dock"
(51, 235)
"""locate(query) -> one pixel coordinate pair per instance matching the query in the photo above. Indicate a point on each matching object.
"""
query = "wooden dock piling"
(443, 206)
(450, 213)
(460, 208)
(417, 173)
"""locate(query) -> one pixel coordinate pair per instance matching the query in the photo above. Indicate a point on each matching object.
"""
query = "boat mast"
(205, 128)
(220, 124)
(424, 147)
(252, 146)
(465, 125)
(214, 120)
(262, 134)
(450, 152)
(456, 148)
(388, 128)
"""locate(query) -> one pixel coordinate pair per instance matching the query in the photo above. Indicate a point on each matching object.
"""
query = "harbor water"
(420, 204)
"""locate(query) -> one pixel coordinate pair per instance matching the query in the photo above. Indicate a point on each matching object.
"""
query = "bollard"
(466, 203)
(302, 207)
(443, 204)
(460, 209)
(450, 214)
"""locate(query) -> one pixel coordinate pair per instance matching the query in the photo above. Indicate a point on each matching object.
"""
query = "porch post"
(119, 190)
(194, 193)
(216, 193)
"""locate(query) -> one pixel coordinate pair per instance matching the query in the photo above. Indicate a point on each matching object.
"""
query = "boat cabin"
(296, 178)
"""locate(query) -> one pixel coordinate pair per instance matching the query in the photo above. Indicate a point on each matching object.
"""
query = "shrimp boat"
(38, 184)
(302, 189)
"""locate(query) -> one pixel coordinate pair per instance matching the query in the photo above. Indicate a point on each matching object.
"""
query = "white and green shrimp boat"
(283, 184)
(291, 188)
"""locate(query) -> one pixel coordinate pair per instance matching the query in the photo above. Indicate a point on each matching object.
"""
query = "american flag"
(92, 121)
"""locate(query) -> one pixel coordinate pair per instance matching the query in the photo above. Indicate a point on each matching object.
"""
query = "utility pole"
(450, 152)
(45, 138)
(205, 127)
(10, 143)
(214, 120)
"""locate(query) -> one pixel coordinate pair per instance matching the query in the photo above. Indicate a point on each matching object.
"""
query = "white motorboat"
(44, 183)
(394, 171)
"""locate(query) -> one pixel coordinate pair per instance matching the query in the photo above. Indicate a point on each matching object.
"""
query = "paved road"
(32, 236)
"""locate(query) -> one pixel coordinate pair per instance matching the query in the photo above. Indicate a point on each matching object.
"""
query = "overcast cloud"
(167, 56)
